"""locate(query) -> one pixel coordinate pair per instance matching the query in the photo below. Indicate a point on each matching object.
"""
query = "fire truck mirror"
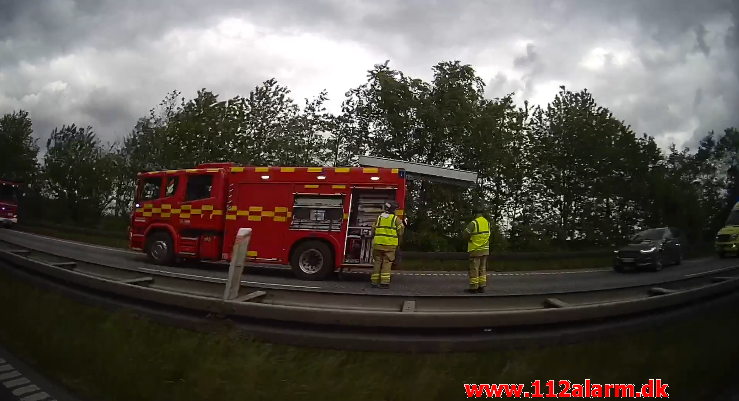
(171, 186)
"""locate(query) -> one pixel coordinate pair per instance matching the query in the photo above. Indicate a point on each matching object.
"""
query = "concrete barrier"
(249, 307)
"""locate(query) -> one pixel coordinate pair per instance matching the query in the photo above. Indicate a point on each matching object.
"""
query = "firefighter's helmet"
(390, 206)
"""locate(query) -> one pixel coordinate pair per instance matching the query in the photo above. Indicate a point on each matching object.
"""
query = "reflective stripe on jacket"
(480, 237)
(386, 231)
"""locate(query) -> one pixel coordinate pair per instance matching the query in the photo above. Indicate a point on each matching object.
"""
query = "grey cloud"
(522, 45)
(700, 40)
(528, 59)
(698, 98)
(107, 109)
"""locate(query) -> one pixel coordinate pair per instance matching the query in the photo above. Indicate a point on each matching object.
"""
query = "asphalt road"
(415, 283)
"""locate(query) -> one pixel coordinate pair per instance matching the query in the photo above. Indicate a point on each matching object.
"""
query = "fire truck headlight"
(321, 177)
(374, 178)
(265, 177)
(138, 205)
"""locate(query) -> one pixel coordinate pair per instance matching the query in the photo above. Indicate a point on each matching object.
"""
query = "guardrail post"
(236, 268)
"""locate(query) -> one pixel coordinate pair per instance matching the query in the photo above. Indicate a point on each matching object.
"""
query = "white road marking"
(9, 375)
(5, 368)
(180, 275)
(219, 279)
(280, 285)
(25, 390)
(552, 272)
(16, 382)
(710, 271)
(35, 397)
(534, 273)
(523, 273)
(80, 243)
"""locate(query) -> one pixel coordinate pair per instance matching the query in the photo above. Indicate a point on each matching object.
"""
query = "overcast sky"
(668, 68)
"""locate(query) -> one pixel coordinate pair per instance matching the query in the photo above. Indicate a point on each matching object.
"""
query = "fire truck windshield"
(149, 189)
(7, 194)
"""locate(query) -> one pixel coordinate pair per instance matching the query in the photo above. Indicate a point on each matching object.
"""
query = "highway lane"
(356, 282)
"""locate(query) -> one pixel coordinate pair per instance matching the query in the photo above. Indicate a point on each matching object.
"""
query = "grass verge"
(76, 236)
(121, 356)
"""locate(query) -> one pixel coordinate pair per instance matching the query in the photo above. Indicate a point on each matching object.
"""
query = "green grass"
(121, 356)
(121, 242)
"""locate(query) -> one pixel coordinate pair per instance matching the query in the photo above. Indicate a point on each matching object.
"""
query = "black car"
(652, 249)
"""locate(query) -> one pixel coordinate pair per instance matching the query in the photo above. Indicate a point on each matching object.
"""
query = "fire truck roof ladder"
(423, 171)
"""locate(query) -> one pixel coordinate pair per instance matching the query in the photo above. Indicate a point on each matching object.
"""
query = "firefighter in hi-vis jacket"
(388, 230)
(478, 246)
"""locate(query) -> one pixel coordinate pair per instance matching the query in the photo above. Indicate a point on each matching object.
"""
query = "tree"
(265, 128)
(441, 123)
(591, 172)
(183, 134)
(79, 172)
(717, 163)
(18, 149)
(273, 130)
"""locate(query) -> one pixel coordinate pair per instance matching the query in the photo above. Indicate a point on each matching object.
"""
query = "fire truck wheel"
(312, 260)
(160, 248)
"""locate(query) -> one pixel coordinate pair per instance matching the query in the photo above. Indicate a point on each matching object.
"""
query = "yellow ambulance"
(727, 239)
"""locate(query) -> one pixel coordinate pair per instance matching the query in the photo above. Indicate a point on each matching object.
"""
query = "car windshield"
(733, 219)
(649, 235)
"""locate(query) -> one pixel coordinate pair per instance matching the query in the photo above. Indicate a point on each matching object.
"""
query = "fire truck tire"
(312, 260)
(160, 248)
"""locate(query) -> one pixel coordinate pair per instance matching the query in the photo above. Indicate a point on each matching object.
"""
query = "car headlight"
(650, 250)
(733, 236)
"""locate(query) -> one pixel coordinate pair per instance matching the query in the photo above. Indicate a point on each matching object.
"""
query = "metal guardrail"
(398, 312)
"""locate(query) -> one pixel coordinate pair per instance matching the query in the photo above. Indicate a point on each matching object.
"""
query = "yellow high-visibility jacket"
(388, 228)
(479, 230)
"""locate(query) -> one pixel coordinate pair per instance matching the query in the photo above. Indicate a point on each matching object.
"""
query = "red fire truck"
(316, 219)
(8, 203)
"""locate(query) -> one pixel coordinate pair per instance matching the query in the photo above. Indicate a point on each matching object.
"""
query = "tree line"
(568, 175)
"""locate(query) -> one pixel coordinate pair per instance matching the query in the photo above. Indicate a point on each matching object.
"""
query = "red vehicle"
(316, 219)
(8, 203)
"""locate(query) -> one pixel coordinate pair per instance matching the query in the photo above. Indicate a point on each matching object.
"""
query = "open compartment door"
(366, 206)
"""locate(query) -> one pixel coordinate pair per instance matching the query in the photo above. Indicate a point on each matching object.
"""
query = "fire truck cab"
(8, 203)
(314, 218)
